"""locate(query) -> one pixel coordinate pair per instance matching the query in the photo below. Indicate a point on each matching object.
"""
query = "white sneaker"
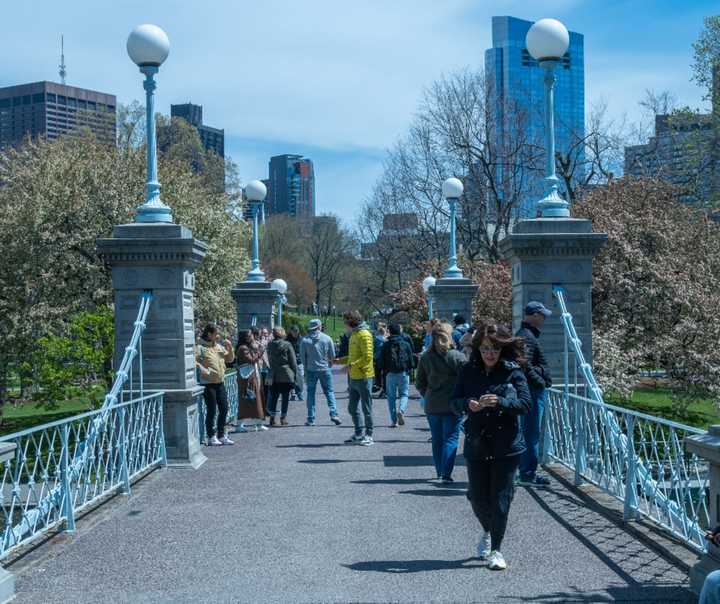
(240, 428)
(367, 441)
(261, 428)
(497, 562)
(483, 548)
(214, 442)
(226, 441)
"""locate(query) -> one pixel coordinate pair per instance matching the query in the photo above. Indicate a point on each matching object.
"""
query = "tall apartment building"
(516, 86)
(47, 109)
(213, 139)
(292, 186)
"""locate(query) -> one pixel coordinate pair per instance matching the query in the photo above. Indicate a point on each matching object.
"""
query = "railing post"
(122, 453)
(630, 508)
(67, 511)
(163, 449)
(579, 447)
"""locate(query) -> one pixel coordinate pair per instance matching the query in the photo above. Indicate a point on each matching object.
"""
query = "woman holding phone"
(493, 392)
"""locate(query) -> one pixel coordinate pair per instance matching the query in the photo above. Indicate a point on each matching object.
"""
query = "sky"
(335, 80)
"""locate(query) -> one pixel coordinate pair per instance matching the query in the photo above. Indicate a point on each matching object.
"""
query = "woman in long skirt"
(251, 403)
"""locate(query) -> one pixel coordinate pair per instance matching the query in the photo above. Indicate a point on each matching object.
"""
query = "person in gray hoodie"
(317, 353)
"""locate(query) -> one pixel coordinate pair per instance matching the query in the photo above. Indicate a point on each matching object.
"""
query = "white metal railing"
(638, 458)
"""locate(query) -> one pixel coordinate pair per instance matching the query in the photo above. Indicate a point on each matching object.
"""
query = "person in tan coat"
(210, 359)
(251, 403)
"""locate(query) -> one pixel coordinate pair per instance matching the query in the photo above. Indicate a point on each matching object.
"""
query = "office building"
(683, 152)
(517, 95)
(47, 109)
(213, 139)
(292, 186)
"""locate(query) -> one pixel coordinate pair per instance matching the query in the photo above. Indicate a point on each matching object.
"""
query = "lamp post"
(547, 41)
(452, 190)
(427, 283)
(148, 47)
(281, 287)
(255, 191)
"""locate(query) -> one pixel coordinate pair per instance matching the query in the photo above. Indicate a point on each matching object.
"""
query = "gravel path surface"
(293, 515)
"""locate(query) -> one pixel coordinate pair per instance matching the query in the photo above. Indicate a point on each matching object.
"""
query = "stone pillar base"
(255, 299)
(7, 586)
(453, 297)
(701, 570)
(182, 432)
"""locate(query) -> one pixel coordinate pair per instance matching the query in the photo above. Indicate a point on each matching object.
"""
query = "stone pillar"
(707, 446)
(255, 299)
(545, 252)
(453, 297)
(161, 257)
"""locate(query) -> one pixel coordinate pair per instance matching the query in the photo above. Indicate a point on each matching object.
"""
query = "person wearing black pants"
(211, 357)
(216, 400)
(283, 375)
(493, 391)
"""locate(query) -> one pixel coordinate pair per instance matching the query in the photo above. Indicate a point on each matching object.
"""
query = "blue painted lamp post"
(148, 46)
(427, 283)
(452, 190)
(281, 287)
(255, 191)
(547, 41)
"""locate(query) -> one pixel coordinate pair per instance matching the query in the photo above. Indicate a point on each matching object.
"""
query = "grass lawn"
(333, 326)
(21, 417)
(700, 413)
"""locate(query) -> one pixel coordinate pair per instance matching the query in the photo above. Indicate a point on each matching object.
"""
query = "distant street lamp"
(452, 190)
(281, 287)
(427, 283)
(148, 47)
(547, 41)
(255, 191)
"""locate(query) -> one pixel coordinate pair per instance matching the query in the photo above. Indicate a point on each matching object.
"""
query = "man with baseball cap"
(538, 377)
(317, 353)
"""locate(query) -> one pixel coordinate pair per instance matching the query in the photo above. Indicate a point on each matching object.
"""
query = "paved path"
(292, 515)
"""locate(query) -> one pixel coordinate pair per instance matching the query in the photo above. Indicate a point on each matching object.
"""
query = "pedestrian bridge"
(293, 515)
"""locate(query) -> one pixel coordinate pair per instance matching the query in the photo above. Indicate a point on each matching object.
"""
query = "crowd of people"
(480, 379)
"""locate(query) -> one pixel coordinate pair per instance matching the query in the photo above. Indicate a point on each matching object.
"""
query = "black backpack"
(400, 360)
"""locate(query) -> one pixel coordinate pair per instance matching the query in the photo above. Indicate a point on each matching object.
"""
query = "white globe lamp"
(148, 45)
(547, 40)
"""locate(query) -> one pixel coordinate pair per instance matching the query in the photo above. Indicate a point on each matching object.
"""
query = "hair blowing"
(511, 348)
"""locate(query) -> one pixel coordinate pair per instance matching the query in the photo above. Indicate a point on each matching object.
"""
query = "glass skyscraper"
(516, 87)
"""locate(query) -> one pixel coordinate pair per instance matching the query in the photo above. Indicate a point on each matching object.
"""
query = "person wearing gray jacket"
(317, 353)
(437, 374)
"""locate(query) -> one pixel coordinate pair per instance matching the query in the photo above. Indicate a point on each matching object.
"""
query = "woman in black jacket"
(492, 390)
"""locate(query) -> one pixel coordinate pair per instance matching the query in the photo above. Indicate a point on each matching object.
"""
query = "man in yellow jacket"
(360, 362)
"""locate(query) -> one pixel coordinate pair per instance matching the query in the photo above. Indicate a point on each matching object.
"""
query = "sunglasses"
(486, 350)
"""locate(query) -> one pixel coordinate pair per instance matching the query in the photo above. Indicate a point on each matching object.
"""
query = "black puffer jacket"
(493, 433)
(537, 372)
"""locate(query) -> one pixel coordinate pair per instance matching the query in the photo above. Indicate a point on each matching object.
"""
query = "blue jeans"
(361, 395)
(397, 383)
(326, 383)
(710, 593)
(445, 430)
(531, 425)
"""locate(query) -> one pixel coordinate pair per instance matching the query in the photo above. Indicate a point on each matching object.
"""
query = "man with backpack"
(397, 361)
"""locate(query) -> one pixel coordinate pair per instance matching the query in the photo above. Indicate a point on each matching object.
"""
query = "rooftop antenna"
(63, 72)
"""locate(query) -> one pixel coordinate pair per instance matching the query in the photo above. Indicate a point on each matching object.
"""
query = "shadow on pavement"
(408, 461)
(633, 562)
(435, 492)
(329, 461)
(390, 481)
(648, 593)
(413, 566)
